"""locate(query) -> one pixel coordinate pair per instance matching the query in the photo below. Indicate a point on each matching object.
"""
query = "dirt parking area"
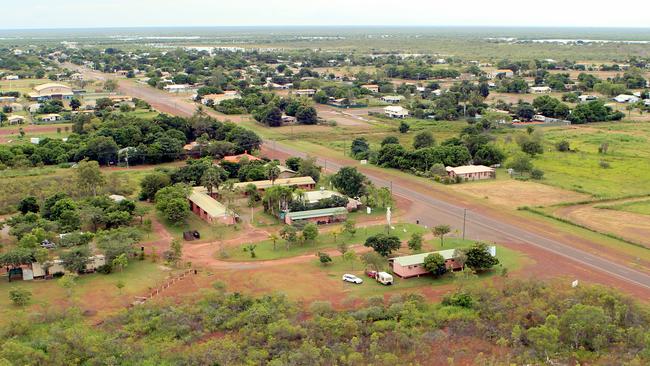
(514, 193)
(353, 117)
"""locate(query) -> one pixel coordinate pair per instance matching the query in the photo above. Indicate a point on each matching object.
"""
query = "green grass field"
(265, 251)
(640, 207)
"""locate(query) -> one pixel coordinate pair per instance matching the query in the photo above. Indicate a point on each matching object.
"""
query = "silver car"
(352, 279)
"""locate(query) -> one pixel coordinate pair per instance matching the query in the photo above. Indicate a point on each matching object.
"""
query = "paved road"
(479, 226)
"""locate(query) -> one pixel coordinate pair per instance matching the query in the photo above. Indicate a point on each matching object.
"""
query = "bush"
(603, 164)
(20, 296)
(105, 269)
(537, 174)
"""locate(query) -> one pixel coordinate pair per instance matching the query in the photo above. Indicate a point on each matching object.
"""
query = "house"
(647, 102)
(12, 77)
(320, 216)
(33, 108)
(120, 98)
(413, 265)
(502, 73)
(76, 77)
(471, 172)
(396, 112)
(315, 196)
(53, 117)
(216, 99)
(304, 183)
(586, 98)
(208, 208)
(393, 99)
(626, 98)
(6, 100)
(285, 172)
(372, 87)
(540, 90)
(51, 91)
(238, 158)
(341, 102)
(15, 119)
(305, 92)
(177, 88)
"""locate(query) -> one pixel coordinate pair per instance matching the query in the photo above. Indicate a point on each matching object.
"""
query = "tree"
(121, 262)
(307, 115)
(404, 127)
(75, 259)
(176, 252)
(479, 258)
(373, 260)
(423, 139)
(308, 167)
(532, 147)
(351, 257)
(89, 177)
(250, 248)
(390, 140)
(310, 232)
(342, 247)
(152, 183)
(440, 231)
(349, 181)
(68, 282)
(172, 202)
(585, 326)
(20, 296)
(435, 263)
(537, 174)
(211, 178)
(383, 244)
(415, 242)
(520, 163)
(349, 226)
(110, 85)
(28, 204)
(273, 237)
(120, 285)
(324, 258)
(289, 234)
(359, 148)
(75, 104)
(272, 172)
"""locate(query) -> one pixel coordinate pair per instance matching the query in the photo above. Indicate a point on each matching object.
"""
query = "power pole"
(464, 221)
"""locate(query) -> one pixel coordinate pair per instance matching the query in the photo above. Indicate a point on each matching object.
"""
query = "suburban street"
(557, 250)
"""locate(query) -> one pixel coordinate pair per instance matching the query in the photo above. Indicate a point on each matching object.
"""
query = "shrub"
(537, 174)
(105, 269)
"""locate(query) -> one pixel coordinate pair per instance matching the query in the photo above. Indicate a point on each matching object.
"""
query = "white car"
(352, 279)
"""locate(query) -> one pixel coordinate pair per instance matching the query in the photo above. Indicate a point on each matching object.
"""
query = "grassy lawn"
(92, 290)
(640, 207)
(509, 259)
(264, 250)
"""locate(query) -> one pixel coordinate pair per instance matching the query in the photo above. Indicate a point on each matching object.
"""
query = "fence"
(165, 285)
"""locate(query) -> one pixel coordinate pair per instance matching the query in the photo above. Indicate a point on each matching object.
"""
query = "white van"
(384, 278)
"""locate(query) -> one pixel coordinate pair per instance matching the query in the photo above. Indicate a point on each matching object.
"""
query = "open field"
(640, 207)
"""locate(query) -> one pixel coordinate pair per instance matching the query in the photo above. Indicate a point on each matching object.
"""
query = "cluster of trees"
(271, 113)
(532, 322)
(419, 72)
(118, 137)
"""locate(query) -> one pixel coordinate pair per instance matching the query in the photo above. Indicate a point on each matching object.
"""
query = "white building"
(177, 88)
(471, 172)
(626, 98)
(393, 99)
(396, 112)
(540, 90)
(506, 73)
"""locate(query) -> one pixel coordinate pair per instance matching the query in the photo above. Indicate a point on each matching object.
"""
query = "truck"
(384, 278)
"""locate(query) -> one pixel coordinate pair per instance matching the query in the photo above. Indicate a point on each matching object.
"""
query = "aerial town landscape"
(323, 194)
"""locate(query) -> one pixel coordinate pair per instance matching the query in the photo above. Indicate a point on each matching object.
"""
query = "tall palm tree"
(272, 172)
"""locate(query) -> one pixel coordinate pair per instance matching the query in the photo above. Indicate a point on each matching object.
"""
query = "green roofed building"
(321, 216)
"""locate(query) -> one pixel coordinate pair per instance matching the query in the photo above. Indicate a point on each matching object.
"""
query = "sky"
(40, 14)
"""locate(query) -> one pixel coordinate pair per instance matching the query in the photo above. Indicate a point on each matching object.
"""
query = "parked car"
(371, 274)
(47, 244)
(352, 279)
(384, 278)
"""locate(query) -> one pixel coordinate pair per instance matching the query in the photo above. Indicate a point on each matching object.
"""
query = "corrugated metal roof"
(415, 259)
(263, 184)
(212, 207)
(301, 215)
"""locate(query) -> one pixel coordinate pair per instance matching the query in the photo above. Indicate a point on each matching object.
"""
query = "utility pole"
(464, 221)
(127, 159)
(391, 187)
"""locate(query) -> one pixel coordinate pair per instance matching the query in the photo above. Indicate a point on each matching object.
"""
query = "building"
(393, 99)
(216, 99)
(285, 172)
(413, 265)
(372, 87)
(76, 76)
(304, 183)
(238, 158)
(586, 98)
(626, 98)
(208, 208)
(320, 216)
(502, 73)
(8, 99)
(53, 117)
(471, 172)
(289, 120)
(313, 197)
(177, 88)
(396, 112)
(540, 90)
(51, 91)
(15, 119)
(305, 92)
(12, 77)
